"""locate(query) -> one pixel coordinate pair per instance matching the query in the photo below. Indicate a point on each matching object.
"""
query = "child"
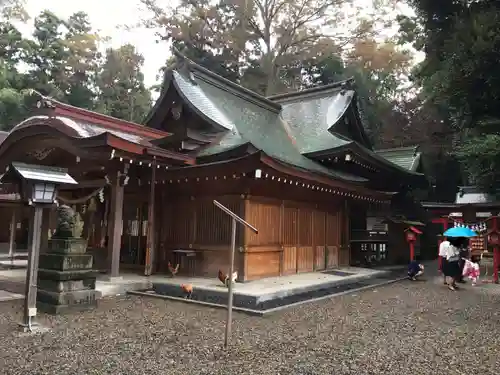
(471, 270)
(414, 270)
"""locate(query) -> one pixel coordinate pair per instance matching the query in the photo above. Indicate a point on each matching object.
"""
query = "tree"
(378, 69)
(64, 58)
(459, 75)
(82, 62)
(120, 83)
(13, 50)
(13, 10)
(262, 38)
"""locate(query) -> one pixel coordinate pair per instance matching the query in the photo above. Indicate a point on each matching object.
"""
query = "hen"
(187, 289)
(173, 270)
(224, 278)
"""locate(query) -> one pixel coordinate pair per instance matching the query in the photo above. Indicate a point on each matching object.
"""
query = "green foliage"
(263, 40)
(121, 87)
(460, 76)
(62, 60)
(481, 157)
(13, 10)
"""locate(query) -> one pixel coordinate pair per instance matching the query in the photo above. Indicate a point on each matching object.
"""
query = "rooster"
(173, 270)
(187, 289)
(224, 278)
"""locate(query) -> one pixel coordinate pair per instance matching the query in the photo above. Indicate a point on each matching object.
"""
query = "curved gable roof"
(247, 120)
(405, 157)
(314, 115)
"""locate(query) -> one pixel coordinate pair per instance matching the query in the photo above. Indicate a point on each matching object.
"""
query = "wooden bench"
(186, 260)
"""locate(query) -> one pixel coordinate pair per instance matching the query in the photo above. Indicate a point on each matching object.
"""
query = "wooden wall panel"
(290, 239)
(344, 257)
(289, 260)
(293, 237)
(305, 250)
(199, 225)
(333, 235)
(213, 226)
(332, 256)
(290, 224)
(266, 217)
(319, 240)
(305, 227)
(262, 264)
(210, 262)
(301, 231)
(305, 259)
(319, 258)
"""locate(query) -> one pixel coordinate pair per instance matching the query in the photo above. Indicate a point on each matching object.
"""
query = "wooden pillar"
(44, 234)
(115, 225)
(12, 234)
(282, 241)
(150, 241)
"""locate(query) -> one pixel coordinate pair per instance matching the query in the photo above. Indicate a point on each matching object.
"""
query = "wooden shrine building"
(103, 154)
(299, 167)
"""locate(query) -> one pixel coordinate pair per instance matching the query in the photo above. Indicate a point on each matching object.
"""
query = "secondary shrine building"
(298, 167)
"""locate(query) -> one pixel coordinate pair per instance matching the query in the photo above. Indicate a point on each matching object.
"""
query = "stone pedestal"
(66, 280)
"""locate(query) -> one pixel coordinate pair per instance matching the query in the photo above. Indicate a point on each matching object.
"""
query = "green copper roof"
(405, 157)
(312, 117)
(291, 128)
(247, 119)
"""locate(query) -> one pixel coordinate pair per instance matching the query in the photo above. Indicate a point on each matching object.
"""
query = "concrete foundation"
(271, 293)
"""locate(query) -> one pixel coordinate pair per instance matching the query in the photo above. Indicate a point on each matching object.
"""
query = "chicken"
(224, 278)
(187, 289)
(173, 270)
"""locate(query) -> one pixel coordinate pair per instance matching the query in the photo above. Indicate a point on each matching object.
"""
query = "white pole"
(230, 285)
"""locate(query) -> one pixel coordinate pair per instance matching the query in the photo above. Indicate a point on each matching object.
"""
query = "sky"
(107, 16)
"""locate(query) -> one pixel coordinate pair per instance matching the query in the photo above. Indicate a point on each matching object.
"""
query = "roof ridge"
(346, 83)
(106, 120)
(235, 88)
(402, 148)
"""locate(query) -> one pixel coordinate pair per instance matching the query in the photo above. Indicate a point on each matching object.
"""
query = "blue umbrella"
(460, 232)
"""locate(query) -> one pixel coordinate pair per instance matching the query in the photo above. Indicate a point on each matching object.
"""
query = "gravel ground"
(404, 328)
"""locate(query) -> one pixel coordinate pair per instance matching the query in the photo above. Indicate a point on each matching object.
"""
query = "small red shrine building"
(299, 167)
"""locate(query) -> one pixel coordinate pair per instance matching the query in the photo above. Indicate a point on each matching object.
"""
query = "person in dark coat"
(452, 268)
(442, 255)
(414, 270)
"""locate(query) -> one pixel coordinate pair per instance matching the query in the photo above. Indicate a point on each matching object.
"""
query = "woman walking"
(452, 269)
(442, 255)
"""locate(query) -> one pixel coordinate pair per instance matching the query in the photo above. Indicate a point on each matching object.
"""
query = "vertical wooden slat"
(319, 240)
(290, 239)
(305, 250)
(150, 247)
(282, 214)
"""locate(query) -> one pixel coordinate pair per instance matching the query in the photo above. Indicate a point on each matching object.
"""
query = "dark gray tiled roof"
(248, 120)
(311, 119)
(286, 127)
(406, 157)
